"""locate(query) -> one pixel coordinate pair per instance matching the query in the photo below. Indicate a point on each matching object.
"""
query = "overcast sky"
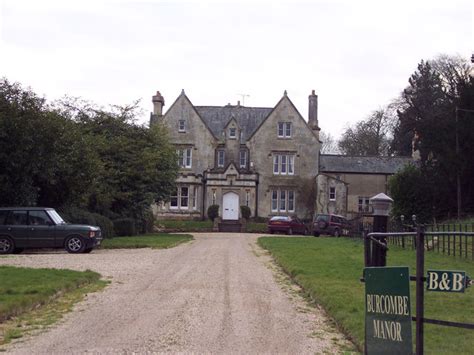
(356, 55)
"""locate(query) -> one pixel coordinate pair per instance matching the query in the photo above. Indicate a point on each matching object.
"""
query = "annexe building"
(266, 158)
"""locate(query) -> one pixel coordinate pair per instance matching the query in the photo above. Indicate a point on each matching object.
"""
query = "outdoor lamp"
(381, 204)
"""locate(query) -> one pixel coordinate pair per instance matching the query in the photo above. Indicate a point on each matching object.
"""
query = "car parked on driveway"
(39, 227)
(330, 224)
(286, 224)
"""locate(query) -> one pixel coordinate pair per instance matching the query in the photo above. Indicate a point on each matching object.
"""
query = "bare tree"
(371, 136)
(329, 144)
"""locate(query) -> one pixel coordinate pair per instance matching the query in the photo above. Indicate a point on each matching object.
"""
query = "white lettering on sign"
(443, 281)
(387, 330)
(387, 304)
(457, 282)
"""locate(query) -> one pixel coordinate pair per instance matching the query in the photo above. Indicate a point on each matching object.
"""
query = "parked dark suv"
(330, 224)
(38, 227)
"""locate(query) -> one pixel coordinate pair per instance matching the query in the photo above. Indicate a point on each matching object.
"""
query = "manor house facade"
(265, 158)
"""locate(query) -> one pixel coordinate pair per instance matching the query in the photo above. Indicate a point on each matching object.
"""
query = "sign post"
(387, 310)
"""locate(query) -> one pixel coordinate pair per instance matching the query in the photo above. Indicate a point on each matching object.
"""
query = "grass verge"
(155, 241)
(31, 299)
(328, 269)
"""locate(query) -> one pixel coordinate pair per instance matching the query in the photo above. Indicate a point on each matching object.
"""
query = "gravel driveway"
(217, 294)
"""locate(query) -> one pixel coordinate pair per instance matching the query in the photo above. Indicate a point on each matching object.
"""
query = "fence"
(451, 239)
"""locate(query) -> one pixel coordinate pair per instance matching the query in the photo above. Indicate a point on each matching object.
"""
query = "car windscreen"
(56, 217)
(279, 218)
(322, 217)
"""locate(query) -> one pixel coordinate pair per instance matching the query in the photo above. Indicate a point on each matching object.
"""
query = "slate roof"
(355, 164)
(248, 118)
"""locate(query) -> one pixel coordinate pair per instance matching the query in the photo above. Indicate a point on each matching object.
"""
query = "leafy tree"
(428, 109)
(44, 159)
(411, 194)
(370, 136)
(73, 154)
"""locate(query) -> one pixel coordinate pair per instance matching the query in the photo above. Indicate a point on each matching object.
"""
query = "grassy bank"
(185, 226)
(24, 290)
(155, 241)
(329, 270)
(204, 226)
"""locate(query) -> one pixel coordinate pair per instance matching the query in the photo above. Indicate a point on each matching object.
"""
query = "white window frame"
(184, 197)
(275, 203)
(284, 129)
(180, 195)
(283, 164)
(234, 131)
(332, 192)
(181, 126)
(291, 201)
(194, 197)
(276, 164)
(185, 157)
(220, 158)
(174, 196)
(243, 159)
(363, 204)
(283, 200)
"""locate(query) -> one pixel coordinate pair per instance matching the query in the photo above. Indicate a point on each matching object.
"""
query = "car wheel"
(337, 234)
(290, 231)
(74, 245)
(88, 250)
(316, 234)
(6, 245)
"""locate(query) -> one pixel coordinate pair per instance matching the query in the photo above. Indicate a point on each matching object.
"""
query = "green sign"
(446, 281)
(387, 310)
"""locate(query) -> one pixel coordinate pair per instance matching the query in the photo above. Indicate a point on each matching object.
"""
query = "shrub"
(213, 212)
(79, 216)
(125, 227)
(245, 211)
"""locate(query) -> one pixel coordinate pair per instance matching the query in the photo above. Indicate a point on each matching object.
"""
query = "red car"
(289, 225)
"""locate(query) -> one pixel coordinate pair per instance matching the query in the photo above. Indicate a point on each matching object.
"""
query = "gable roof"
(248, 118)
(355, 164)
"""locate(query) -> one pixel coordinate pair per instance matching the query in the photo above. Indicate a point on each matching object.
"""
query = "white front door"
(231, 206)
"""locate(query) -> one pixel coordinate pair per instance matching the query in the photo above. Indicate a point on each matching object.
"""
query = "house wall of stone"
(323, 203)
(305, 147)
(362, 185)
(197, 135)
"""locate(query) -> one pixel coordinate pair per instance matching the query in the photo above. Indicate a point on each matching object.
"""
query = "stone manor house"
(266, 158)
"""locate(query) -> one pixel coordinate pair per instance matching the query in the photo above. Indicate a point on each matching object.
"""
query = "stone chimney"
(313, 113)
(158, 103)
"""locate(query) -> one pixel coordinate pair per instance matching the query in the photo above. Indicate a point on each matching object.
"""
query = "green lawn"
(329, 270)
(254, 227)
(155, 241)
(22, 289)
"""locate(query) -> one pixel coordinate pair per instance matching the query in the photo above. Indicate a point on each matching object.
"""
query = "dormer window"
(232, 132)
(284, 130)
(182, 126)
